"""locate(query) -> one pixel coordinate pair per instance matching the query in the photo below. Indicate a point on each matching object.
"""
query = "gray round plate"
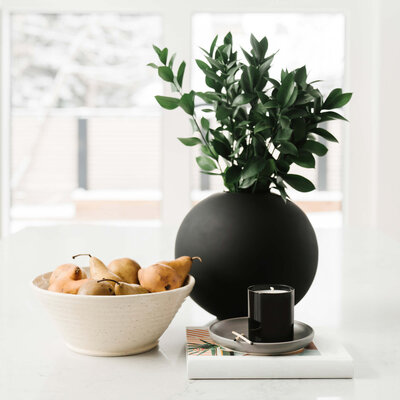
(221, 333)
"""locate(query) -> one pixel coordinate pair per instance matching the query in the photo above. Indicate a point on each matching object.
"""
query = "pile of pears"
(123, 276)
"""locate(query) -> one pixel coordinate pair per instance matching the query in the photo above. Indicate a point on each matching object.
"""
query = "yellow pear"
(72, 271)
(67, 278)
(125, 268)
(158, 278)
(97, 288)
(129, 288)
(98, 270)
(65, 285)
(182, 266)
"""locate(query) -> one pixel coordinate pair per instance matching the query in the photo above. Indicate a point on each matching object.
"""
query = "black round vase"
(246, 239)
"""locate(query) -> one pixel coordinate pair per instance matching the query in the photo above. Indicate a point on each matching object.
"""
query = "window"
(88, 141)
(85, 130)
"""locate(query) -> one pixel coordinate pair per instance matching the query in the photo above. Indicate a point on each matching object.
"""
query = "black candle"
(271, 313)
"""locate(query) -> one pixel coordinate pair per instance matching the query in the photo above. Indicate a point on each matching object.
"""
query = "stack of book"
(323, 358)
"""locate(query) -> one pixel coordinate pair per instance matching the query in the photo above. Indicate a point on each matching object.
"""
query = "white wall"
(388, 179)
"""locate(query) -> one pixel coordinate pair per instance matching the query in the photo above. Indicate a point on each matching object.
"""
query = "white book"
(323, 358)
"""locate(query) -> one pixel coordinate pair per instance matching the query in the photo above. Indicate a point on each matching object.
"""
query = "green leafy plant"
(258, 126)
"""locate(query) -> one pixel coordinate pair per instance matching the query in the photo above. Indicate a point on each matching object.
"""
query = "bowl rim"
(189, 285)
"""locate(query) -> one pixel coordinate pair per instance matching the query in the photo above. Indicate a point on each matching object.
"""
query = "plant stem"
(179, 89)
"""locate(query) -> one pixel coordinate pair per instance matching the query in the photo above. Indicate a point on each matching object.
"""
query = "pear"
(158, 278)
(125, 268)
(98, 270)
(67, 278)
(182, 266)
(70, 270)
(65, 285)
(97, 288)
(129, 288)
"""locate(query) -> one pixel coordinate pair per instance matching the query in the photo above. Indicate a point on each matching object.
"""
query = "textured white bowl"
(111, 325)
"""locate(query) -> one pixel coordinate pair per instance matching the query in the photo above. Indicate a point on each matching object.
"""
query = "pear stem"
(84, 254)
(196, 258)
(106, 280)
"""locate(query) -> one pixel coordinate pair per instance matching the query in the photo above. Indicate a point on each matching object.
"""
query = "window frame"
(360, 180)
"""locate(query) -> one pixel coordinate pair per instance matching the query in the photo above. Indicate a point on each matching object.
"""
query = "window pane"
(85, 127)
(316, 40)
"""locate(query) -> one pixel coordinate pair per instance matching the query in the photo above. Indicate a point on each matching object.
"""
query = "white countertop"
(355, 297)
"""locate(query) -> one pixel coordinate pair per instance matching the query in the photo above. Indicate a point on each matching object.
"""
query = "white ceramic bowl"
(111, 325)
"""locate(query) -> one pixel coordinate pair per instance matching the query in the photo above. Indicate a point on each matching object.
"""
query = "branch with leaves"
(258, 126)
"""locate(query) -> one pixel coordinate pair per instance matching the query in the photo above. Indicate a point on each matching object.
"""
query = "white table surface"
(355, 297)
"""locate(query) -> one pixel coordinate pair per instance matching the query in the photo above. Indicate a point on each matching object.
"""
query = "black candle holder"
(271, 313)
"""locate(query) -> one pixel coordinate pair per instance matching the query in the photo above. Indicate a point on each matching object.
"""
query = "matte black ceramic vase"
(246, 239)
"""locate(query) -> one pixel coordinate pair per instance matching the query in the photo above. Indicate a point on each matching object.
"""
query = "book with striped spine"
(323, 358)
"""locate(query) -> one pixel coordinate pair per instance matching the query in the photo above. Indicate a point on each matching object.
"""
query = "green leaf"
(215, 63)
(228, 38)
(270, 168)
(171, 60)
(264, 44)
(301, 76)
(325, 134)
(242, 99)
(187, 103)
(288, 148)
(270, 104)
(286, 90)
(202, 65)
(242, 124)
(232, 174)
(249, 58)
(339, 101)
(152, 65)
(163, 56)
(212, 75)
(293, 98)
(264, 67)
(157, 50)
(181, 71)
(221, 148)
(220, 136)
(166, 74)
(315, 147)
(213, 84)
(190, 141)
(209, 97)
(274, 82)
(205, 163)
(247, 78)
(246, 183)
(222, 113)
(253, 167)
(212, 47)
(205, 123)
(262, 125)
(283, 166)
(305, 159)
(169, 103)
(283, 134)
(330, 115)
(285, 121)
(259, 48)
(208, 151)
(331, 99)
(299, 183)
